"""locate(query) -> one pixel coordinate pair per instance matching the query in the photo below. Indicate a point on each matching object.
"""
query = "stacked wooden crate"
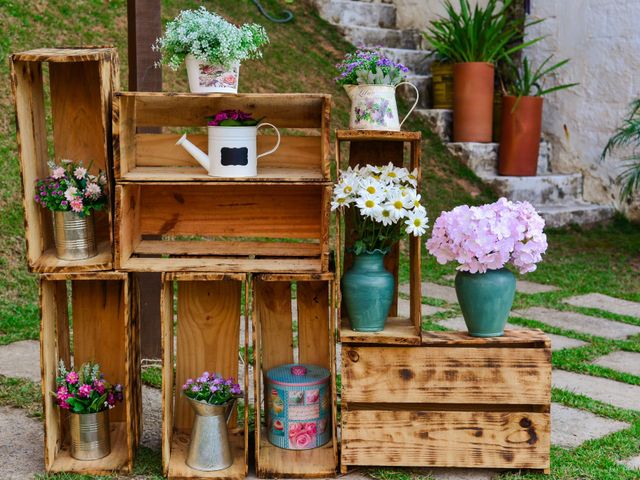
(102, 304)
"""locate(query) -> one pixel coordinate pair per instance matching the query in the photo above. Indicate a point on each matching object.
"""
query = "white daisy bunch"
(384, 202)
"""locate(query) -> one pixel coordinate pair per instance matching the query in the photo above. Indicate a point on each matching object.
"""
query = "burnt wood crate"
(403, 149)
(453, 401)
(293, 317)
(105, 329)
(80, 84)
(210, 330)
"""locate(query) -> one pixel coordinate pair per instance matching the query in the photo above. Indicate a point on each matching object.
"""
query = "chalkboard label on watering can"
(299, 406)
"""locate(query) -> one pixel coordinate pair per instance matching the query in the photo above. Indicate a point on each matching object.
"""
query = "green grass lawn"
(300, 59)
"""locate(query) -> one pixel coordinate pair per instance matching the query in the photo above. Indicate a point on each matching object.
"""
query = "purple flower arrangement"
(85, 390)
(369, 65)
(70, 187)
(233, 118)
(489, 237)
(212, 389)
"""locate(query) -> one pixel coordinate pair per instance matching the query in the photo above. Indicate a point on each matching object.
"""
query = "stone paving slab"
(522, 286)
(151, 418)
(605, 390)
(433, 290)
(627, 362)
(404, 308)
(607, 303)
(578, 322)
(570, 427)
(21, 359)
(633, 463)
(21, 445)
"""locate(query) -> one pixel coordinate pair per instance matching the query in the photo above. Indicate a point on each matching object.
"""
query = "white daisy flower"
(416, 223)
(369, 205)
(70, 193)
(385, 216)
(340, 201)
(371, 186)
(412, 177)
(397, 204)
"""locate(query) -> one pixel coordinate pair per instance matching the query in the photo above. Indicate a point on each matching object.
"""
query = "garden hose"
(288, 15)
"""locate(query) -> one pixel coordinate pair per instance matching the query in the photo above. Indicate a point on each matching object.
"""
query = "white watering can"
(232, 150)
(373, 107)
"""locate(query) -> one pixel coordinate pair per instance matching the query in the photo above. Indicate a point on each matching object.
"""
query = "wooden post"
(144, 26)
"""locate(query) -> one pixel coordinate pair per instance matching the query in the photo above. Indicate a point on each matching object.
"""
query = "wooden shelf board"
(178, 469)
(64, 55)
(117, 460)
(189, 174)
(276, 462)
(377, 135)
(521, 337)
(223, 265)
(397, 331)
(227, 248)
(49, 263)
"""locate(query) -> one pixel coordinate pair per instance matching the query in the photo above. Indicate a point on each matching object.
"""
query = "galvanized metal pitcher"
(209, 448)
(74, 236)
(90, 437)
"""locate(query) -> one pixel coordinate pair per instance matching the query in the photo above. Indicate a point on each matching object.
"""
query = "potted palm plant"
(474, 39)
(521, 125)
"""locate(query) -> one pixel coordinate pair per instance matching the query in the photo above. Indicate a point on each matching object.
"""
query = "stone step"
(423, 84)
(346, 12)
(482, 158)
(577, 212)
(381, 37)
(549, 189)
(418, 61)
(440, 121)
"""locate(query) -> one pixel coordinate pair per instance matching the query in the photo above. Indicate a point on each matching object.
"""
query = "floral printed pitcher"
(373, 107)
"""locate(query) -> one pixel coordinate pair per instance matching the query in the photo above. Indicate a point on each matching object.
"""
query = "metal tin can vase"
(90, 435)
(209, 448)
(299, 406)
(374, 107)
(74, 236)
(206, 78)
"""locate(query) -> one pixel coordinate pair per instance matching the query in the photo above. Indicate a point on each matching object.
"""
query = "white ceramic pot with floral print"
(206, 78)
(373, 107)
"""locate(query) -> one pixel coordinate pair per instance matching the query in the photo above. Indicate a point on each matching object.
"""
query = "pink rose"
(76, 205)
(229, 79)
(304, 440)
(310, 428)
(295, 429)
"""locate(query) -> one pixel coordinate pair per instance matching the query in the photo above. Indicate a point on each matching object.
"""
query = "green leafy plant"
(627, 135)
(529, 82)
(476, 34)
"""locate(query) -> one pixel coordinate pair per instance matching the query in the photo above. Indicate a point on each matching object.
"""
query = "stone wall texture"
(603, 42)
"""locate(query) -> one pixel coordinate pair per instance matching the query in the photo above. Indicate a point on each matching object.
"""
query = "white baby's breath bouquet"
(384, 203)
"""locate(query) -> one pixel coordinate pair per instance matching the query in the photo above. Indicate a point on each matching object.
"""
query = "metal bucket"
(90, 437)
(209, 448)
(74, 236)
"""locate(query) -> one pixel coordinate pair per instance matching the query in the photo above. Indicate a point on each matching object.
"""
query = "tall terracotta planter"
(520, 137)
(472, 102)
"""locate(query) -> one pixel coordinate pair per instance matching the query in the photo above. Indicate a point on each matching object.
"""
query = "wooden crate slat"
(280, 463)
(522, 338)
(64, 55)
(377, 135)
(168, 373)
(231, 248)
(221, 264)
(446, 375)
(446, 439)
(397, 331)
(313, 320)
(273, 306)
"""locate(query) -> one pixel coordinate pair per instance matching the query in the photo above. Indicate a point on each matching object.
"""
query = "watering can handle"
(414, 103)
(277, 143)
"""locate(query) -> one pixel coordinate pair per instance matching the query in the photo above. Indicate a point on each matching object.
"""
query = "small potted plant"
(72, 194)
(370, 80)
(88, 397)
(232, 144)
(212, 48)
(212, 399)
(522, 117)
(483, 240)
(384, 207)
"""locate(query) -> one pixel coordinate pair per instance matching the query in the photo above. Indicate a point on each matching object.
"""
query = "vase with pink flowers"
(483, 240)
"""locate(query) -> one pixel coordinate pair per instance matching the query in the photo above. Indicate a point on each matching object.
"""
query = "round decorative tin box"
(299, 406)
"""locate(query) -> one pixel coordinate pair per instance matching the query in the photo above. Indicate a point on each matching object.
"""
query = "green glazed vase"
(485, 300)
(367, 289)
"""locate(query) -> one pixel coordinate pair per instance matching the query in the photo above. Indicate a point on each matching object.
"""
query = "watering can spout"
(195, 152)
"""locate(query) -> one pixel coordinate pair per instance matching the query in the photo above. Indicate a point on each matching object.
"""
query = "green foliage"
(476, 34)
(527, 82)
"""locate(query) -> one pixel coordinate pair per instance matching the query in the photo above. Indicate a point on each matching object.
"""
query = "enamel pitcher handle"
(277, 143)
(414, 103)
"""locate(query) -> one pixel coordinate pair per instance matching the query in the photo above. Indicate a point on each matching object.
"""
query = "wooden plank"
(446, 375)
(64, 55)
(377, 135)
(127, 223)
(229, 248)
(124, 135)
(295, 277)
(222, 264)
(325, 147)
(208, 336)
(446, 439)
(48, 262)
(245, 361)
(314, 323)
(168, 365)
(189, 174)
(103, 275)
(201, 276)
(521, 338)
(415, 284)
(273, 308)
(397, 331)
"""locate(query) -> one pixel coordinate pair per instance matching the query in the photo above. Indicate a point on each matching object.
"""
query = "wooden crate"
(380, 148)
(104, 313)
(274, 344)
(454, 401)
(208, 330)
(81, 82)
(222, 227)
(304, 120)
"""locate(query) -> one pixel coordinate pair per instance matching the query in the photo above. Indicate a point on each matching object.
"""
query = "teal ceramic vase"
(485, 300)
(367, 290)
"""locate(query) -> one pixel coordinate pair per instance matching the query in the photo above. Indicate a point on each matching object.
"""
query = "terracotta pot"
(520, 138)
(472, 101)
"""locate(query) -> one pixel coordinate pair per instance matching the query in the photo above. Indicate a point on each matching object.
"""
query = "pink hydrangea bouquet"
(385, 205)
(85, 390)
(489, 237)
(233, 118)
(70, 187)
(212, 389)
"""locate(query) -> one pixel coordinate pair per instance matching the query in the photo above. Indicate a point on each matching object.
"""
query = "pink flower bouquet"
(85, 390)
(233, 118)
(489, 237)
